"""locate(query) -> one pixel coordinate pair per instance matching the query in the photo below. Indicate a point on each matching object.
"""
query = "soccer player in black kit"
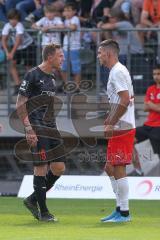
(37, 93)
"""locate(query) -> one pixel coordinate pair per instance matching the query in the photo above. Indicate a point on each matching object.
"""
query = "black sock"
(118, 209)
(50, 180)
(33, 197)
(124, 213)
(40, 192)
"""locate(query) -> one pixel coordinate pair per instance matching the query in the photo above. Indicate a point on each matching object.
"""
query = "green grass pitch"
(79, 220)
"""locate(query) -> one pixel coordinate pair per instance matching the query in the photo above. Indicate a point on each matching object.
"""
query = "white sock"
(115, 189)
(123, 191)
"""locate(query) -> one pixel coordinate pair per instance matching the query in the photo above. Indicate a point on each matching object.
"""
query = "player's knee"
(109, 170)
(57, 169)
(40, 170)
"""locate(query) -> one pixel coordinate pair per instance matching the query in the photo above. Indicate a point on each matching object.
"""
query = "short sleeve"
(19, 29)
(40, 22)
(120, 81)
(5, 30)
(75, 21)
(26, 85)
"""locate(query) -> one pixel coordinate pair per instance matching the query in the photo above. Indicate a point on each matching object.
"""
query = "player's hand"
(31, 138)
(108, 131)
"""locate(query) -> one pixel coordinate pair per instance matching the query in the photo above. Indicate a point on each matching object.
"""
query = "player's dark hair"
(49, 50)
(156, 66)
(110, 43)
(14, 14)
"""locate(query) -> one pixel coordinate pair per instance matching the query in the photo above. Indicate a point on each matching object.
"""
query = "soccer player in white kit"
(119, 128)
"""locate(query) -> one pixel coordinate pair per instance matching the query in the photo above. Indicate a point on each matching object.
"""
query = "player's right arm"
(24, 93)
(23, 115)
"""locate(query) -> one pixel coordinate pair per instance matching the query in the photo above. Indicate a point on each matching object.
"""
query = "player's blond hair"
(48, 50)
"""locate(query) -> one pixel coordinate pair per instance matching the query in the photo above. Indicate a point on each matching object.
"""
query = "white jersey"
(120, 80)
(53, 37)
(8, 29)
(74, 36)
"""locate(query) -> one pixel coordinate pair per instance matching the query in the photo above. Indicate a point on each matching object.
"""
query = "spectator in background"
(10, 4)
(136, 9)
(49, 22)
(124, 6)
(127, 40)
(3, 16)
(38, 10)
(22, 45)
(150, 16)
(151, 128)
(72, 22)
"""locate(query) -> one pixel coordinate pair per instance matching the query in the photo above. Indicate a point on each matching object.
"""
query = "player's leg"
(56, 170)
(120, 150)
(38, 198)
(123, 192)
(109, 169)
(40, 170)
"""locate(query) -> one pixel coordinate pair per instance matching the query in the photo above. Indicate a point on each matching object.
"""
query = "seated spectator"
(151, 128)
(72, 22)
(3, 16)
(10, 4)
(127, 40)
(150, 16)
(49, 22)
(22, 45)
(38, 10)
(124, 6)
(93, 11)
(136, 9)
(26, 6)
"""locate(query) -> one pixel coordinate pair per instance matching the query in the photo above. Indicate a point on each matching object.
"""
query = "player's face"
(57, 59)
(156, 75)
(102, 56)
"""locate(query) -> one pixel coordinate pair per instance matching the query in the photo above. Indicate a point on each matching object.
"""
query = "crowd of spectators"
(109, 15)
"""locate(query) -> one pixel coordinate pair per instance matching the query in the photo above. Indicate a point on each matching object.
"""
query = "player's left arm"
(120, 109)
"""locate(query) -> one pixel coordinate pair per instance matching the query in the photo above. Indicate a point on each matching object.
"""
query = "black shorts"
(27, 55)
(49, 147)
(152, 133)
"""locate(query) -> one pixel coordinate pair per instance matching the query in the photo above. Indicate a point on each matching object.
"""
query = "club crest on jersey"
(23, 85)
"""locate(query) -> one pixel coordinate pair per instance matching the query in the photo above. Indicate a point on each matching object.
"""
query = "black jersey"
(40, 89)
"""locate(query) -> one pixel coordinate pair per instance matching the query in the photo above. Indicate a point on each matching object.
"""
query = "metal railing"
(139, 64)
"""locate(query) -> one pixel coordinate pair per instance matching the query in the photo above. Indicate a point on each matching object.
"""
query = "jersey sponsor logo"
(49, 93)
